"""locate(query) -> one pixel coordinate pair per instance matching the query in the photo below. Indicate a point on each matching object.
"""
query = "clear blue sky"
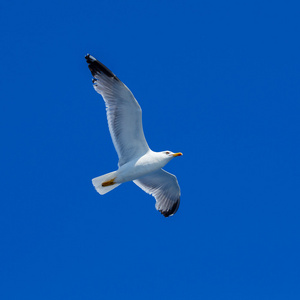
(218, 81)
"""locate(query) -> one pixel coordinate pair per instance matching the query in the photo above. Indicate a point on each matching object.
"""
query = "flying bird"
(137, 162)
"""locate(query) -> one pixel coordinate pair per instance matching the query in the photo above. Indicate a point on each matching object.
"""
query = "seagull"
(137, 162)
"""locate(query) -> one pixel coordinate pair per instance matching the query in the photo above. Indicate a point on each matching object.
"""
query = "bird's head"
(169, 154)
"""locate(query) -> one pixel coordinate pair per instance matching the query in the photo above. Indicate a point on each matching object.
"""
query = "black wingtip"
(96, 66)
(172, 210)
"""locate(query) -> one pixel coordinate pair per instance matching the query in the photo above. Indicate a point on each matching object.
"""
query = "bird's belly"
(132, 171)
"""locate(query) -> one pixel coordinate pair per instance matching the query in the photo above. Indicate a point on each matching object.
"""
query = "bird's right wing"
(165, 189)
(124, 114)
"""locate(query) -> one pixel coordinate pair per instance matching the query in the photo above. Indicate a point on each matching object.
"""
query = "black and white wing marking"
(124, 114)
(165, 189)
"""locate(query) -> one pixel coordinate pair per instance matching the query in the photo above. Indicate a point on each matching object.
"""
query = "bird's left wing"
(124, 115)
(165, 189)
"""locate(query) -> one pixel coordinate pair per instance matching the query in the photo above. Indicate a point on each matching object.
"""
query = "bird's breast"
(137, 168)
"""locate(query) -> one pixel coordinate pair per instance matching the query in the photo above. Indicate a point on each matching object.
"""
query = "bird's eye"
(167, 152)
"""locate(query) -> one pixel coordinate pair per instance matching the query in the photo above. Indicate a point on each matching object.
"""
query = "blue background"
(218, 81)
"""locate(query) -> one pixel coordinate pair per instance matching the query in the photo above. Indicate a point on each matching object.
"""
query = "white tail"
(97, 182)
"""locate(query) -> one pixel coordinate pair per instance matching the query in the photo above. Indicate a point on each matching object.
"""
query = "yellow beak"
(177, 154)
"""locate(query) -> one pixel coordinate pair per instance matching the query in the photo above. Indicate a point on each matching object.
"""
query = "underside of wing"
(165, 189)
(124, 114)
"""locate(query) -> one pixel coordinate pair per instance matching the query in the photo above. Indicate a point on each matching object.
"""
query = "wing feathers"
(124, 114)
(96, 66)
(165, 189)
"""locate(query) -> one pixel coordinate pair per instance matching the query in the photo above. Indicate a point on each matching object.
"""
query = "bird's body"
(140, 166)
(137, 162)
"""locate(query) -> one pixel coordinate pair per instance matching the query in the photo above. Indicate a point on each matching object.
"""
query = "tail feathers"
(97, 182)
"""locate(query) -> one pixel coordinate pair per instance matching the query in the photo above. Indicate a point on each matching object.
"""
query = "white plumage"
(137, 162)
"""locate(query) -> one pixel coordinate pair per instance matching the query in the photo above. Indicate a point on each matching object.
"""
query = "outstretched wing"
(165, 189)
(124, 114)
